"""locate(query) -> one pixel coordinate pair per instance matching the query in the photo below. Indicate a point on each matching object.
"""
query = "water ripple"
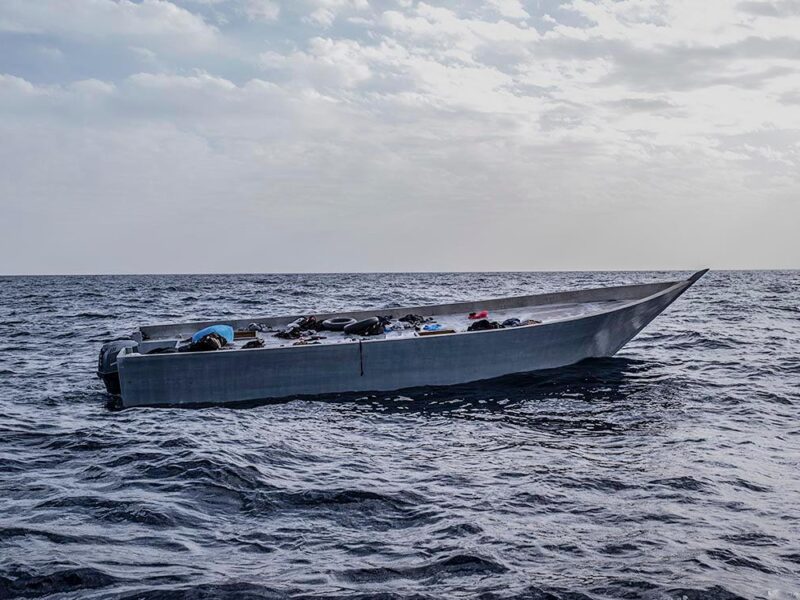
(669, 471)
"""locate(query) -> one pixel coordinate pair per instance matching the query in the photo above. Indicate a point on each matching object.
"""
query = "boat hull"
(383, 364)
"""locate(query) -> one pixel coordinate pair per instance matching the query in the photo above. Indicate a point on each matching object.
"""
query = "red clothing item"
(479, 315)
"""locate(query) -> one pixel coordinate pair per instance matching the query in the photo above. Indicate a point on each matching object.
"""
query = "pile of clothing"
(415, 320)
(256, 343)
(485, 324)
(302, 327)
(214, 337)
(210, 341)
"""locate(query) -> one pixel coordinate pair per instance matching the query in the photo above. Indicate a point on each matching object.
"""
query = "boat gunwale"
(671, 286)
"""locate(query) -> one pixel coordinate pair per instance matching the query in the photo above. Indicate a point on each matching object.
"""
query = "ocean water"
(669, 471)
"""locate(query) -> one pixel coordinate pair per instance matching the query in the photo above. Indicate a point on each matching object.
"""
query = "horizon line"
(391, 272)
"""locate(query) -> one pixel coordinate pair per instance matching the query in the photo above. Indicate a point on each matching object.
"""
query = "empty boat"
(279, 357)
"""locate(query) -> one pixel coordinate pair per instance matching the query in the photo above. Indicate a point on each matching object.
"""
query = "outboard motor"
(107, 364)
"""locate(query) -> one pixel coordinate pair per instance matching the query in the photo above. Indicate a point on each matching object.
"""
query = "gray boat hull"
(392, 364)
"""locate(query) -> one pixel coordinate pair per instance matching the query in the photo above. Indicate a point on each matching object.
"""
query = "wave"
(57, 582)
(459, 565)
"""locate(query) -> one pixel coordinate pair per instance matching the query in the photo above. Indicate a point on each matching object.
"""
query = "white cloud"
(262, 10)
(326, 63)
(156, 21)
(512, 9)
(325, 12)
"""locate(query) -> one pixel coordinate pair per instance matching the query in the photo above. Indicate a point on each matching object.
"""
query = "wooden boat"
(564, 328)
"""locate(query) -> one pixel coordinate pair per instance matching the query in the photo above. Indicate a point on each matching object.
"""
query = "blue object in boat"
(432, 327)
(225, 331)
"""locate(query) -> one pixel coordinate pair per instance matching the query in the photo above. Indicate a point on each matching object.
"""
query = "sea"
(670, 471)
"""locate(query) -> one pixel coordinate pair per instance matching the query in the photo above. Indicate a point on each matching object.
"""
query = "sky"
(156, 136)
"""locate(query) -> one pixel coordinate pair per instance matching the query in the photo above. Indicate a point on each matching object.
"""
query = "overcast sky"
(342, 135)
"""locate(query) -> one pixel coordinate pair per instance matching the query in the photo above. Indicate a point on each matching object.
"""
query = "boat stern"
(107, 366)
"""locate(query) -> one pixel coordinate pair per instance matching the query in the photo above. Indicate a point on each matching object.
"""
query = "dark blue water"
(670, 471)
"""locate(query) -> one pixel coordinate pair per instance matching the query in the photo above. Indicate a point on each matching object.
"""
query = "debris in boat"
(256, 343)
(483, 325)
(483, 314)
(163, 350)
(312, 324)
(290, 332)
(223, 331)
(531, 322)
(432, 327)
(314, 339)
(414, 320)
(361, 327)
(337, 323)
(296, 328)
(512, 322)
(209, 342)
(259, 327)
(370, 326)
(148, 346)
(403, 323)
(436, 331)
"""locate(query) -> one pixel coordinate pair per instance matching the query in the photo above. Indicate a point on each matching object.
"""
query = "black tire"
(361, 327)
(337, 323)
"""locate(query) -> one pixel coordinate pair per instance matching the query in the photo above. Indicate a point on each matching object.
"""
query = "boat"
(543, 331)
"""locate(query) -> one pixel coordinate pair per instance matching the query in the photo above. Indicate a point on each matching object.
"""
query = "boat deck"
(459, 323)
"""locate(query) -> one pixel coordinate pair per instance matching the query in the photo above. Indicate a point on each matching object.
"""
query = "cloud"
(778, 9)
(262, 10)
(331, 126)
(791, 97)
(154, 21)
(325, 12)
(512, 9)
(326, 63)
(682, 67)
